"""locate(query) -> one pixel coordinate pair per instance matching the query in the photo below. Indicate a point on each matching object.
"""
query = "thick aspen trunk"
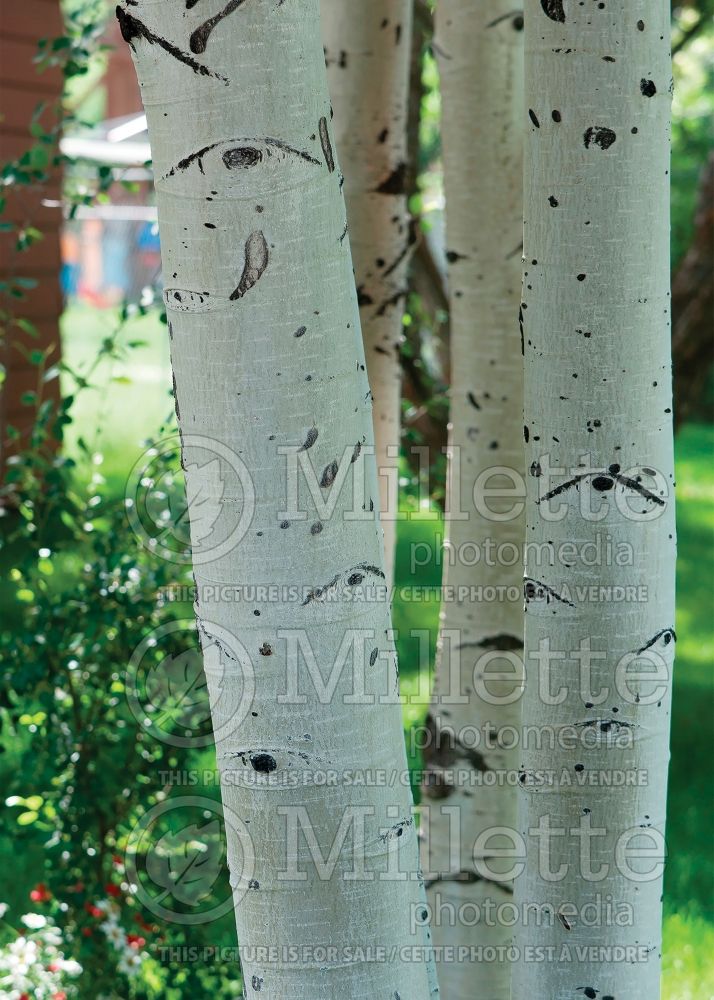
(268, 360)
(599, 586)
(367, 50)
(480, 49)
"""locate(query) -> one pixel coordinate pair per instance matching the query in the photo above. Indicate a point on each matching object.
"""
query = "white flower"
(115, 934)
(130, 962)
(23, 952)
(33, 920)
(51, 937)
(69, 966)
(3, 909)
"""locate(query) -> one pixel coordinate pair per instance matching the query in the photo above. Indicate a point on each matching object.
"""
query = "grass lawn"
(133, 400)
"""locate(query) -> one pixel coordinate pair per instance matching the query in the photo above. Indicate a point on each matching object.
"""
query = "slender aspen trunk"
(599, 586)
(268, 364)
(367, 51)
(480, 51)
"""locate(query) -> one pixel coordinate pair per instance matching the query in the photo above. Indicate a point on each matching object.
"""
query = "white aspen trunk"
(598, 430)
(480, 51)
(267, 357)
(367, 50)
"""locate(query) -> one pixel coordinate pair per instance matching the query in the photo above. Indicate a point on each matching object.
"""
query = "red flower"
(40, 894)
(135, 941)
(138, 919)
(53, 967)
(93, 910)
(113, 890)
(117, 859)
(87, 931)
(59, 995)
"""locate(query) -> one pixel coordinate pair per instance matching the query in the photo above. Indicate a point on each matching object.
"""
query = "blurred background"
(86, 393)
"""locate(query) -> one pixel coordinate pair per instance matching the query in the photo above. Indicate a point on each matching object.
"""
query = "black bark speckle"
(263, 762)
(599, 135)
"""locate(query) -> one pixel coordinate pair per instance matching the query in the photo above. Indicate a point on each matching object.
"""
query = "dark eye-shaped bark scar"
(210, 639)
(329, 474)
(199, 39)
(397, 260)
(604, 483)
(608, 727)
(393, 300)
(536, 590)
(185, 300)
(310, 439)
(564, 920)
(667, 635)
(396, 182)
(353, 577)
(504, 17)
(553, 9)
(132, 28)
(256, 261)
(599, 135)
(326, 144)
(523, 338)
(241, 157)
(396, 830)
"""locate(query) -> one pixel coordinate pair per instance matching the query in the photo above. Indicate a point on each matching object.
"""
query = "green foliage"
(79, 596)
(692, 124)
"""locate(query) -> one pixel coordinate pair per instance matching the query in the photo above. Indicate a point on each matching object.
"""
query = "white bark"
(267, 354)
(480, 50)
(367, 48)
(598, 406)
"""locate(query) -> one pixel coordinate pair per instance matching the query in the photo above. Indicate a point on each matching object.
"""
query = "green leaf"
(27, 326)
